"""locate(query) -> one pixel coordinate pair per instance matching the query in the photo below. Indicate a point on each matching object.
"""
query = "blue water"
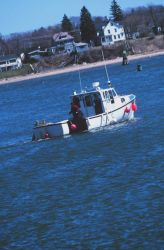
(95, 190)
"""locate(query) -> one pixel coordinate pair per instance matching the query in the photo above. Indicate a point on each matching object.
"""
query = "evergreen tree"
(87, 26)
(116, 11)
(66, 24)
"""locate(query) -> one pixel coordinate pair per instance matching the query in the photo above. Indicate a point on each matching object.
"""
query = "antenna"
(105, 66)
(80, 78)
(79, 74)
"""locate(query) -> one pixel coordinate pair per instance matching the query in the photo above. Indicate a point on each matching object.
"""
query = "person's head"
(75, 107)
(76, 100)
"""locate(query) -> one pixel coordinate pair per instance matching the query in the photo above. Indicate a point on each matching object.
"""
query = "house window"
(109, 31)
(114, 37)
(115, 30)
(118, 36)
(3, 62)
(111, 24)
(12, 61)
(122, 34)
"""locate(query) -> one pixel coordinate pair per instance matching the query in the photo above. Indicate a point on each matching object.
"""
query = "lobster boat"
(90, 110)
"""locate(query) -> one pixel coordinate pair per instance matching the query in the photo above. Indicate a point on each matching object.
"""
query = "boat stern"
(43, 130)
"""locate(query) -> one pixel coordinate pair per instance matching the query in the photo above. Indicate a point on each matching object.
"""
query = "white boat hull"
(106, 119)
(53, 130)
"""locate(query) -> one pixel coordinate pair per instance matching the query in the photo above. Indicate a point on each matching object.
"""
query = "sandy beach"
(77, 67)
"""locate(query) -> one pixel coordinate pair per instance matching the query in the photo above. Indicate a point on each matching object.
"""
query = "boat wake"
(114, 127)
(14, 144)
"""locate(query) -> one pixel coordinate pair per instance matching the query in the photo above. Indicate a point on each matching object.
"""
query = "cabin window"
(107, 95)
(122, 99)
(113, 92)
(97, 104)
(110, 94)
(12, 61)
(96, 95)
(88, 101)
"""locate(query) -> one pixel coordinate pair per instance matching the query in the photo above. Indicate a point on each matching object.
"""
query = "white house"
(111, 33)
(10, 62)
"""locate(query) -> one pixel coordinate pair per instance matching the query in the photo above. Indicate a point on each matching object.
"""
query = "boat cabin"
(94, 102)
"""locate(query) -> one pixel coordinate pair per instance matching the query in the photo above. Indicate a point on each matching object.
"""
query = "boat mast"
(107, 75)
(80, 78)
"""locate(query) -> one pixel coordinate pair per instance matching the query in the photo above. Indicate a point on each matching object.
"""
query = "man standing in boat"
(98, 106)
(75, 107)
(78, 118)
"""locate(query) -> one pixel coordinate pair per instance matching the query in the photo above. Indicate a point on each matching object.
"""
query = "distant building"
(157, 30)
(70, 47)
(81, 47)
(10, 62)
(111, 33)
(37, 54)
(63, 42)
(132, 35)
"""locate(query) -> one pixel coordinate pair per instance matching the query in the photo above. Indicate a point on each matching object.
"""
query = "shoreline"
(77, 67)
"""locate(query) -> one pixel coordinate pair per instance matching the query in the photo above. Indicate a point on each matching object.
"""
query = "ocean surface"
(96, 190)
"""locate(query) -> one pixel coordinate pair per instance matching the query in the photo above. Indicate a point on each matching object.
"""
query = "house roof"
(8, 57)
(114, 24)
(62, 36)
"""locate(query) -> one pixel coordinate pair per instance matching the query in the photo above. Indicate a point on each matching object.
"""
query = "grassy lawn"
(26, 69)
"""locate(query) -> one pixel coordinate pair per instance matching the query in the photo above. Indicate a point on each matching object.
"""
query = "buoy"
(139, 67)
(127, 110)
(73, 127)
(46, 135)
(134, 107)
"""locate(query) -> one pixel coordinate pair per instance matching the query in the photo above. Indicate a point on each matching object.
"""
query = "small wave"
(161, 89)
(15, 144)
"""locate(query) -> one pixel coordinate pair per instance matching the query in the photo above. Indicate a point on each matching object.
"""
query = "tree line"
(143, 20)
